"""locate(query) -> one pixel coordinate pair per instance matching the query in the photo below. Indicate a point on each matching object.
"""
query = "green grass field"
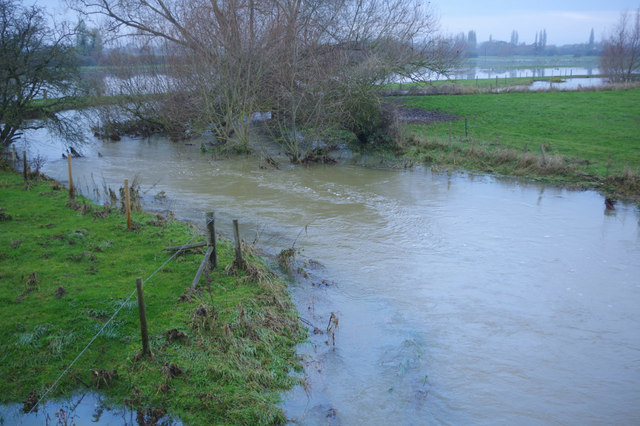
(602, 127)
(66, 268)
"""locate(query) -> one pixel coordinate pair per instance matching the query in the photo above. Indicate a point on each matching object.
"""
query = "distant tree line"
(88, 44)
(514, 46)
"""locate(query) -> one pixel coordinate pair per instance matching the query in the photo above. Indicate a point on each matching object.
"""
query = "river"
(461, 299)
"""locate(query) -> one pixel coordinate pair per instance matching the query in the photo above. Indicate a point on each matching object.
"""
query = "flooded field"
(481, 72)
(461, 299)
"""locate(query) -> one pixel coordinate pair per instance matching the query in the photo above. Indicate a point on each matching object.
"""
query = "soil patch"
(423, 116)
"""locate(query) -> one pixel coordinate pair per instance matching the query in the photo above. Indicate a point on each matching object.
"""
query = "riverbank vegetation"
(585, 139)
(223, 353)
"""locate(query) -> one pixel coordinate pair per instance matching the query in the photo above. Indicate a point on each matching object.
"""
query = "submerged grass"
(590, 139)
(223, 353)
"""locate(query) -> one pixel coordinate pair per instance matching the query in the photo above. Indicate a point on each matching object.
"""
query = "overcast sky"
(566, 21)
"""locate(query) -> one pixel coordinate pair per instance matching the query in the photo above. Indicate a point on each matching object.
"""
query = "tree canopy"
(37, 69)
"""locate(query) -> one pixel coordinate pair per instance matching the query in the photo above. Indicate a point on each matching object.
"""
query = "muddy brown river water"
(461, 299)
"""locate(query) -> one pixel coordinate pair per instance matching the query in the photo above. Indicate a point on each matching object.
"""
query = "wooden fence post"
(211, 239)
(71, 191)
(127, 201)
(25, 170)
(450, 125)
(236, 236)
(146, 350)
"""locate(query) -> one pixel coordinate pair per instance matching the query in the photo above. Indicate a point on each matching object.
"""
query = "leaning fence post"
(544, 157)
(211, 239)
(71, 191)
(25, 170)
(236, 236)
(127, 201)
(146, 350)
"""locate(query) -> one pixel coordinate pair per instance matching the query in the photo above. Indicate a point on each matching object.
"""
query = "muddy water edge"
(458, 299)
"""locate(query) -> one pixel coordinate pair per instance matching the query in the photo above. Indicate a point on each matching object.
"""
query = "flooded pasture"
(484, 71)
(461, 299)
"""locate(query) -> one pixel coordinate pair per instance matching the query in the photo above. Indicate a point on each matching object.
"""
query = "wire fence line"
(109, 321)
(489, 131)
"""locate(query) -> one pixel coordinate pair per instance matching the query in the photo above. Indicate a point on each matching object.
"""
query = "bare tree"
(316, 65)
(620, 57)
(35, 63)
(151, 101)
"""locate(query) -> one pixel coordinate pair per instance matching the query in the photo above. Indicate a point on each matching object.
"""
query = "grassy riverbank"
(223, 353)
(39, 107)
(590, 139)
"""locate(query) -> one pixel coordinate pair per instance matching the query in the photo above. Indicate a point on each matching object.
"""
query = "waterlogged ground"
(460, 299)
(81, 409)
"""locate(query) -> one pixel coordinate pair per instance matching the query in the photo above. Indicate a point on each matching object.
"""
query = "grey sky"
(566, 21)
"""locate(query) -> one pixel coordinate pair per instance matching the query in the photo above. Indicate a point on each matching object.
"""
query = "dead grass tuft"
(31, 284)
(31, 401)
(100, 378)
(176, 335)
(286, 257)
(627, 183)
(505, 156)
(171, 370)
(204, 318)
(60, 292)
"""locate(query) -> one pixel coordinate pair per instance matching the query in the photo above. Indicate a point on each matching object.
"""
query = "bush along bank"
(223, 353)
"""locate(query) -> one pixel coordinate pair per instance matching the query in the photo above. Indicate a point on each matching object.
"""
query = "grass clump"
(223, 352)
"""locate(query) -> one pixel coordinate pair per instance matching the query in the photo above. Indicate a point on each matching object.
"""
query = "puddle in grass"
(82, 409)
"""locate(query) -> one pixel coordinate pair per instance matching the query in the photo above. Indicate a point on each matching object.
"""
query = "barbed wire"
(110, 319)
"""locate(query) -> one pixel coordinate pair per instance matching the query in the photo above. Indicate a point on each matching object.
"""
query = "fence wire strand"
(107, 323)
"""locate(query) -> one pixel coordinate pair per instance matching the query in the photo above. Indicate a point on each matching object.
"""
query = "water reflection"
(81, 409)
(487, 73)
